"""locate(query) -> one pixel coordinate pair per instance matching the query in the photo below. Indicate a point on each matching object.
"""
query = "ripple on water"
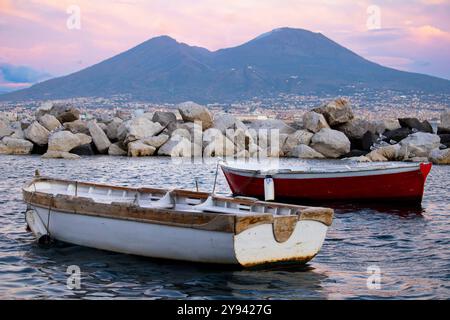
(408, 245)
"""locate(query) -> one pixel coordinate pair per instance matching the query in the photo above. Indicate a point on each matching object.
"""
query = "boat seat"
(208, 206)
(166, 202)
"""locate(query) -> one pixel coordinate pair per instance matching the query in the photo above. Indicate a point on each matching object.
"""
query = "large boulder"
(84, 150)
(84, 138)
(305, 152)
(314, 121)
(44, 108)
(177, 146)
(117, 149)
(331, 143)
(387, 153)
(336, 112)
(37, 133)
(77, 126)
(182, 133)
(391, 124)
(49, 122)
(18, 131)
(140, 149)
(99, 137)
(368, 140)
(60, 155)
(271, 124)
(440, 156)
(220, 146)
(156, 141)
(191, 112)
(355, 128)
(420, 144)
(112, 128)
(444, 125)
(299, 137)
(396, 135)
(5, 129)
(241, 138)
(445, 139)
(138, 129)
(63, 141)
(415, 124)
(223, 122)
(65, 112)
(194, 129)
(166, 119)
(10, 145)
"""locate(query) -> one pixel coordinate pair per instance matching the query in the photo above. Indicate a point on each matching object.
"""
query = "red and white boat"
(368, 182)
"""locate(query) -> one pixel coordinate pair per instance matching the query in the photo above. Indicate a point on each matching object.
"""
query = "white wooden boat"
(174, 224)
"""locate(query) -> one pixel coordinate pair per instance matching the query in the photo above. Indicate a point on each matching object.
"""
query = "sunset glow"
(413, 35)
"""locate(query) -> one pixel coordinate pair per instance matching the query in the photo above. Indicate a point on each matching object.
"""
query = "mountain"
(284, 60)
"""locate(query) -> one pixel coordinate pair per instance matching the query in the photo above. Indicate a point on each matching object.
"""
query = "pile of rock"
(329, 131)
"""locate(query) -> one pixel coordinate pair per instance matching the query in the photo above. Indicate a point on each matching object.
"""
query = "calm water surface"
(411, 247)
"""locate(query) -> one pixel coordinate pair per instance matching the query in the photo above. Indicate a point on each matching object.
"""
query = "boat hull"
(254, 246)
(403, 184)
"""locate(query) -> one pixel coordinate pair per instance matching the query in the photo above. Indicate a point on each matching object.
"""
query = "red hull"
(402, 186)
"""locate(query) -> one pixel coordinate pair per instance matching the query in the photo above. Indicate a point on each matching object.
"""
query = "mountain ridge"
(284, 60)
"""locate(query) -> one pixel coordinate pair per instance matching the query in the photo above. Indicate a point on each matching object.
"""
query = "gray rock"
(177, 146)
(117, 149)
(49, 122)
(84, 138)
(5, 129)
(60, 155)
(303, 151)
(314, 121)
(387, 153)
(271, 124)
(336, 112)
(414, 123)
(77, 126)
(63, 141)
(10, 145)
(37, 133)
(83, 150)
(331, 143)
(191, 112)
(420, 144)
(166, 119)
(65, 112)
(112, 128)
(223, 122)
(138, 129)
(220, 146)
(299, 137)
(444, 125)
(156, 141)
(440, 156)
(391, 124)
(99, 137)
(140, 149)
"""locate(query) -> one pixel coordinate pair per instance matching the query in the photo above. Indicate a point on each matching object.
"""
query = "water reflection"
(410, 245)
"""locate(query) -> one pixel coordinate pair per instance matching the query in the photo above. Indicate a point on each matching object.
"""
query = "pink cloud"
(34, 32)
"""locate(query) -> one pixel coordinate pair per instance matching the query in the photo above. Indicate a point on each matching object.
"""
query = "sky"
(40, 39)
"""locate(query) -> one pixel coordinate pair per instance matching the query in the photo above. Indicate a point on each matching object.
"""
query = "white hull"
(253, 246)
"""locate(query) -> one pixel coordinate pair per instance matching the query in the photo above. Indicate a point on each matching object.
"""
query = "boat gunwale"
(202, 220)
(287, 171)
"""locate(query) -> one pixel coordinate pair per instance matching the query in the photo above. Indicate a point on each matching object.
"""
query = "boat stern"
(288, 239)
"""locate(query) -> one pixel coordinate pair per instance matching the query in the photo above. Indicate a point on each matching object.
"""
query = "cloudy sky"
(39, 38)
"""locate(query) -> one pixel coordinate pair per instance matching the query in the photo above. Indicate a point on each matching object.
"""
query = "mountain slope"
(281, 61)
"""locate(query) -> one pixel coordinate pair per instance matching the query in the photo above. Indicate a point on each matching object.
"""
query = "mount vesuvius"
(285, 60)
